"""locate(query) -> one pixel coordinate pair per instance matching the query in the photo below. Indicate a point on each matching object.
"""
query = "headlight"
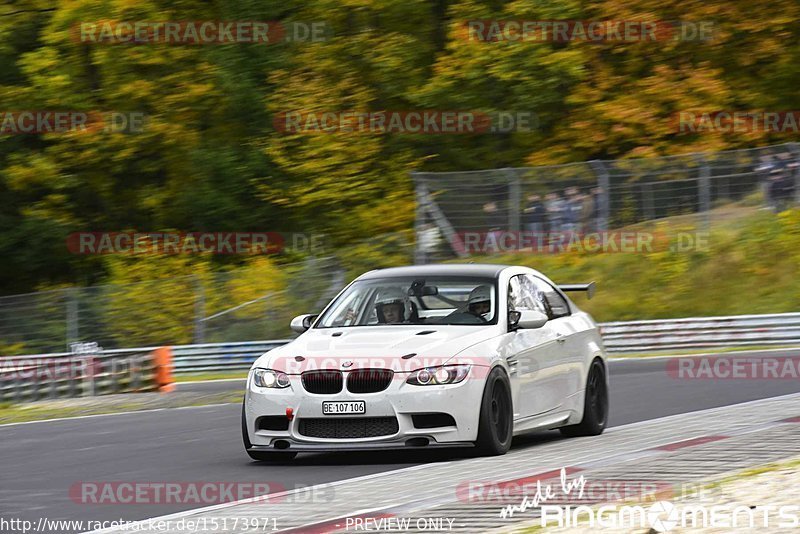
(267, 378)
(436, 376)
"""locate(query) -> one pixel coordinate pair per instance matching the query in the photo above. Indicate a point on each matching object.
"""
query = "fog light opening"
(282, 444)
(417, 442)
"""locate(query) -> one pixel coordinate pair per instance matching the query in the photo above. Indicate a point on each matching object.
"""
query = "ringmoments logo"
(561, 502)
(664, 516)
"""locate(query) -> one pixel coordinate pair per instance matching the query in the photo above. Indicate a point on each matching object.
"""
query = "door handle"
(561, 338)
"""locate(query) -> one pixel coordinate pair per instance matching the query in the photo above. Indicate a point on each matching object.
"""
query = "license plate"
(336, 408)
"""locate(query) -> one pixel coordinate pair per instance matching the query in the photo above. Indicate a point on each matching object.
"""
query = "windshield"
(415, 300)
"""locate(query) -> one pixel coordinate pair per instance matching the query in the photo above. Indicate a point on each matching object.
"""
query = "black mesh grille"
(272, 422)
(322, 382)
(369, 380)
(348, 427)
(432, 420)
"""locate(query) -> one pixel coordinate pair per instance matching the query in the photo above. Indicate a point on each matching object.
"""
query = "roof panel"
(449, 269)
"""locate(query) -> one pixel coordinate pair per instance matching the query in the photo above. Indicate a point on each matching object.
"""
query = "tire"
(595, 405)
(496, 425)
(262, 456)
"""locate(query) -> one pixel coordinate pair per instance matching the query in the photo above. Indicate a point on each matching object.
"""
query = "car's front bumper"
(353, 447)
(400, 400)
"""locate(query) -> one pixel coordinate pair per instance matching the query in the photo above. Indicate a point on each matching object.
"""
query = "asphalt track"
(39, 462)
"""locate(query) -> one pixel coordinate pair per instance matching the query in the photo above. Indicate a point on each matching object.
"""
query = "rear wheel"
(595, 405)
(262, 456)
(496, 425)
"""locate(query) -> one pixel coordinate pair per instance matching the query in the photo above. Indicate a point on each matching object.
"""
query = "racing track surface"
(40, 461)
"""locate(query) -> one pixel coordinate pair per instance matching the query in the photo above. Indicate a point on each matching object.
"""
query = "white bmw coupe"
(430, 356)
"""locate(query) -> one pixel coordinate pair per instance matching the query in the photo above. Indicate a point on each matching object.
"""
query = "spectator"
(783, 189)
(791, 181)
(555, 212)
(783, 160)
(587, 213)
(598, 209)
(764, 168)
(572, 209)
(494, 220)
(777, 185)
(535, 214)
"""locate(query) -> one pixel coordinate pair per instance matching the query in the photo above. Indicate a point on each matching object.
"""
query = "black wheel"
(496, 425)
(595, 405)
(262, 456)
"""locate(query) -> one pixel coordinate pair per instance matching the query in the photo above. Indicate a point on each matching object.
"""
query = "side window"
(523, 294)
(556, 305)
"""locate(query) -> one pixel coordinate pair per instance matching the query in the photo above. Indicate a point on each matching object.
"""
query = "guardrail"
(67, 374)
(213, 357)
(24, 378)
(782, 329)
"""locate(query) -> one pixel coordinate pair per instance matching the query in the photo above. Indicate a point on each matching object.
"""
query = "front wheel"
(595, 405)
(262, 456)
(496, 425)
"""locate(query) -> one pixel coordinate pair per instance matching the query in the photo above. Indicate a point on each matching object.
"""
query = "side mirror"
(301, 323)
(529, 319)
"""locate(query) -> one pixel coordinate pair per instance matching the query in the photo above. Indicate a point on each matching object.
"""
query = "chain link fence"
(221, 307)
(596, 196)
(237, 305)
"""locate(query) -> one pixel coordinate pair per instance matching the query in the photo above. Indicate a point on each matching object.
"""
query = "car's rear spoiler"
(589, 288)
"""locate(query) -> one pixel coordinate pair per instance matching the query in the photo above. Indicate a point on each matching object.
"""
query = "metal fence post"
(794, 148)
(72, 329)
(647, 194)
(419, 220)
(199, 311)
(604, 209)
(88, 367)
(704, 190)
(514, 201)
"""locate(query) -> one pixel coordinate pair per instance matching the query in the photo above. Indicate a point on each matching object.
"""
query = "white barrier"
(70, 374)
(781, 329)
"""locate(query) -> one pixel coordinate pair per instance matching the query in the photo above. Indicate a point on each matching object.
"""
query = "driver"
(391, 306)
(480, 301)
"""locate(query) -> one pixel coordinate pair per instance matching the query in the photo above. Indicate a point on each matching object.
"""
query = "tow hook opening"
(282, 444)
(417, 442)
